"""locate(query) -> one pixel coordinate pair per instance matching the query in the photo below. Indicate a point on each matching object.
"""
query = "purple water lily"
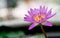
(39, 16)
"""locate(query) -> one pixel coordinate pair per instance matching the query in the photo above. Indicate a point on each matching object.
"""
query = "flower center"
(38, 17)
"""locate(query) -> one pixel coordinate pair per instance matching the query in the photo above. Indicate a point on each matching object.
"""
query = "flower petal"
(30, 11)
(47, 23)
(33, 25)
(29, 19)
(26, 15)
(36, 11)
(50, 16)
(43, 9)
(46, 9)
(49, 12)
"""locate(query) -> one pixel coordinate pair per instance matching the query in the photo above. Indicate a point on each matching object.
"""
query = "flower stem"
(43, 31)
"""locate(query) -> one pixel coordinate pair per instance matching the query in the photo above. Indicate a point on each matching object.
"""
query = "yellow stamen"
(43, 16)
(37, 18)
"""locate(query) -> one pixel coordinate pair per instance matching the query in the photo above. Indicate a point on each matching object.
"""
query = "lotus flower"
(39, 16)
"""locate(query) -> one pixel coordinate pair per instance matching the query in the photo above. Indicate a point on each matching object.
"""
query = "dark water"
(4, 30)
